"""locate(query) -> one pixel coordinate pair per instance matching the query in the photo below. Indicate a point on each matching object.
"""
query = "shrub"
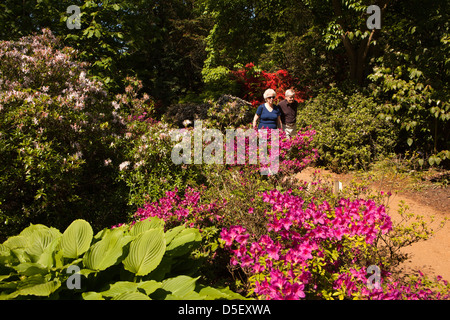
(56, 130)
(349, 135)
(416, 104)
(273, 244)
(147, 167)
(225, 112)
(252, 83)
(139, 262)
(315, 251)
(247, 82)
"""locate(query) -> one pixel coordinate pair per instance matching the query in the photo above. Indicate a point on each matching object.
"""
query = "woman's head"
(270, 95)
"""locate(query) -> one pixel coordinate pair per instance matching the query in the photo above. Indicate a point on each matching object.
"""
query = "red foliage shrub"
(253, 83)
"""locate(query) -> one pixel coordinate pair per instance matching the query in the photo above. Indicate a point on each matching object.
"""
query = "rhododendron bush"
(58, 134)
(253, 82)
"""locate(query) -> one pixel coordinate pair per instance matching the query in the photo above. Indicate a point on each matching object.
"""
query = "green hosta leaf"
(185, 236)
(180, 286)
(40, 240)
(20, 255)
(77, 238)
(6, 276)
(37, 286)
(30, 230)
(149, 286)
(192, 295)
(147, 224)
(50, 257)
(30, 269)
(120, 287)
(146, 252)
(16, 242)
(172, 233)
(92, 296)
(116, 290)
(132, 296)
(3, 249)
(184, 241)
(210, 293)
(107, 251)
(5, 255)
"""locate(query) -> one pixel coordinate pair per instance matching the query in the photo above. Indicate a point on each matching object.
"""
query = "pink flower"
(273, 252)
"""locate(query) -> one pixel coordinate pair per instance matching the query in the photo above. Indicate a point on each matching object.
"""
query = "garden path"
(432, 256)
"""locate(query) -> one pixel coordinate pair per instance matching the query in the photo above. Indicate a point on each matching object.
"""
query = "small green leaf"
(409, 141)
(431, 160)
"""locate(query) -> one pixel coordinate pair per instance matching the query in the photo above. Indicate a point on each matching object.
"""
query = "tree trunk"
(357, 56)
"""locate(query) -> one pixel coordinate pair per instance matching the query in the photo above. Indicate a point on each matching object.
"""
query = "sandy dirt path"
(432, 256)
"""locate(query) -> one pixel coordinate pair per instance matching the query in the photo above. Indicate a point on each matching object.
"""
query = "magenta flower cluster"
(294, 154)
(298, 238)
(188, 210)
(294, 259)
(391, 289)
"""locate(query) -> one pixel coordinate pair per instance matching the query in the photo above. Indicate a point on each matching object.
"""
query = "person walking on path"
(289, 113)
(268, 113)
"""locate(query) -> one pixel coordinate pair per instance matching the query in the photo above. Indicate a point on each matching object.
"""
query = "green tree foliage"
(411, 78)
(343, 25)
(349, 134)
(161, 42)
(166, 49)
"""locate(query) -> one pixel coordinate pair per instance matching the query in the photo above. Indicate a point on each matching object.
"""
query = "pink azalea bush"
(317, 251)
(187, 210)
(294, 154)
(303, 245)
(286, 247)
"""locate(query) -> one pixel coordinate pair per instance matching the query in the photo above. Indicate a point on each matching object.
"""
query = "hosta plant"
(142, 261)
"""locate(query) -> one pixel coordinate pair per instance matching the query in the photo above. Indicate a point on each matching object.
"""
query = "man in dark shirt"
(289, 113)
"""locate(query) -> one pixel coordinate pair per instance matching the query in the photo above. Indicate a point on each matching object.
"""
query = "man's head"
(290, 95)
